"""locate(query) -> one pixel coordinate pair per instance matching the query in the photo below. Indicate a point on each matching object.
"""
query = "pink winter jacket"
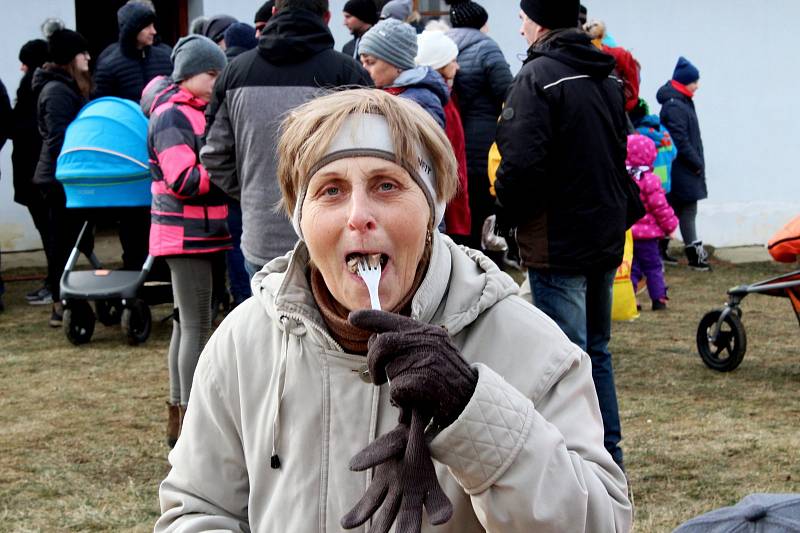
(660, 220)
(188, 214)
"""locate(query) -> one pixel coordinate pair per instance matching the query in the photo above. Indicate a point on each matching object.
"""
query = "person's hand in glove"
(424, 368)
(404, 481)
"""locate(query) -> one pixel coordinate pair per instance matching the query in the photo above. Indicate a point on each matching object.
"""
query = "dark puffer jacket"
(59, 102)
(689, 168)
(122, 69)
(480, 88)
(562, 137)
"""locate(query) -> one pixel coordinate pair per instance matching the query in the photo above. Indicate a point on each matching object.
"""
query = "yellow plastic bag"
(624, 299)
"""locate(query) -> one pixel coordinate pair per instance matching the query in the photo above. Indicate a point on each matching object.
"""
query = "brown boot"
(182, 415)
(173, 423)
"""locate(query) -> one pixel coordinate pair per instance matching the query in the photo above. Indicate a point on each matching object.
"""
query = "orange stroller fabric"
(784, 246)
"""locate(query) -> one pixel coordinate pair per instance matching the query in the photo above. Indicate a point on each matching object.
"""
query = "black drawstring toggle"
(275, 462)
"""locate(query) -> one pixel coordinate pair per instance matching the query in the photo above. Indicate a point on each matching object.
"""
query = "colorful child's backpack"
(651, 127)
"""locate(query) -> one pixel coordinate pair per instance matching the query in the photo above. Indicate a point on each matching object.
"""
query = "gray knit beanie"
(393, 41)
(195, 54)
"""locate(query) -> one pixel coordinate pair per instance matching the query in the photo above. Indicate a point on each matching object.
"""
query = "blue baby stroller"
(104, 164)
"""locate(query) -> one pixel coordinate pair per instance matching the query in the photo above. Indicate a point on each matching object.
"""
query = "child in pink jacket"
(659, 222)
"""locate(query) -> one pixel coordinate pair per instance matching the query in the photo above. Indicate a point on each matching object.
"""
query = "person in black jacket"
(359, 17)
(62, 87)
(123, 69)
(689, 168)
(294, 62)
(5, 123)
(27, 146)
(480, 89)
(562, 138)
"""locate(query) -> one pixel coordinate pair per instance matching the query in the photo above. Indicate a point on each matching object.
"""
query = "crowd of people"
(381, 149)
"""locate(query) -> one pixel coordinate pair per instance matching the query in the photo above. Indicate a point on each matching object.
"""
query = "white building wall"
(744, 51)
(19, 24)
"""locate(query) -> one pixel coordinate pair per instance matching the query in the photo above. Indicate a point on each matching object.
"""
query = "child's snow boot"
(663, 248)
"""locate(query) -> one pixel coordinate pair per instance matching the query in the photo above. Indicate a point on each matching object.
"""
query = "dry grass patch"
(82, 428)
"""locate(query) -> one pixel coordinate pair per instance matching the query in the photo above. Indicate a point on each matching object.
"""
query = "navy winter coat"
(122, 70)
(481, 85)
(689, 169)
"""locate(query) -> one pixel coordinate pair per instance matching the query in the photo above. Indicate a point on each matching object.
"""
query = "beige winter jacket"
(525, 455)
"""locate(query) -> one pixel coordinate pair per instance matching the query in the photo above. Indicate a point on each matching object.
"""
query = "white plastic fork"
(372, 278)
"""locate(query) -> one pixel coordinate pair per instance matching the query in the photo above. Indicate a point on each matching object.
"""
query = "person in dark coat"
(359, 17)
(562, 178)
(125, 67)
(239, 38)
(5, 123)
(62, 86)
(293, 63)
(27, 146)
(689, 168)
(262, 16)
(480, 88)
(214, 28)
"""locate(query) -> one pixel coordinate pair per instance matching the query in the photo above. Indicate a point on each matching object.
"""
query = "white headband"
(368, 135)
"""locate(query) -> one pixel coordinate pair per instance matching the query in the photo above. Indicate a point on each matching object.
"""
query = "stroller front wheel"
(136, 322)
(78, 322)
(725, 353)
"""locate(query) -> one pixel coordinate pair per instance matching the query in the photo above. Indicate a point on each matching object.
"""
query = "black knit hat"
(264, 12)
(363, 10)
(64, 45)
(552, 14)
(467, 14)
(33, 53)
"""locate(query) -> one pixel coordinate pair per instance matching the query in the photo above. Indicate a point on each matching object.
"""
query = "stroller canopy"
(104, 161)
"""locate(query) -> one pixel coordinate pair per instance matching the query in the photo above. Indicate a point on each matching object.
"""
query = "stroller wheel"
(136, 322)
(109, 312)
(727, 351)
(78, 322)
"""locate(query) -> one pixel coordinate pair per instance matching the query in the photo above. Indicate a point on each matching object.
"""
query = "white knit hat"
(435, 49)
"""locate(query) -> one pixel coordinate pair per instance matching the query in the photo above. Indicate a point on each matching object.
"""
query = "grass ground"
(82, 446)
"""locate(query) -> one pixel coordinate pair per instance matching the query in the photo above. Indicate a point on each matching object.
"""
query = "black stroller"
(104, 164)
(721, 338)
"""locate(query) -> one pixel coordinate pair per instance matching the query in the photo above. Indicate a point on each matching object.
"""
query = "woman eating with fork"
(442, 400)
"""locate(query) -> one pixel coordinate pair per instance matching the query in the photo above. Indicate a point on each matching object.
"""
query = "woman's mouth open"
(373, 259)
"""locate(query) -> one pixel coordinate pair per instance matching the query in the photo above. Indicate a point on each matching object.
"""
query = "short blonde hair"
(307, 132)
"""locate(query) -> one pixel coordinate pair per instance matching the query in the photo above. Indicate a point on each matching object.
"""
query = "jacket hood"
(152, 95)
(43, 75)
(132, 18)
(641, 151)
(466, 37)
(424, 78)
(575, 49)
(460, 284)
(174, 94)
(667, 92)
(293, 36)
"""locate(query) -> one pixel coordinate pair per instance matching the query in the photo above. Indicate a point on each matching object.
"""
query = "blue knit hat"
(392, 41)
(240, 35)
(685, 72)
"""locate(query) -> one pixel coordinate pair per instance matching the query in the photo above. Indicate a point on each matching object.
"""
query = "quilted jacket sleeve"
(214, 497)
(536, 467)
